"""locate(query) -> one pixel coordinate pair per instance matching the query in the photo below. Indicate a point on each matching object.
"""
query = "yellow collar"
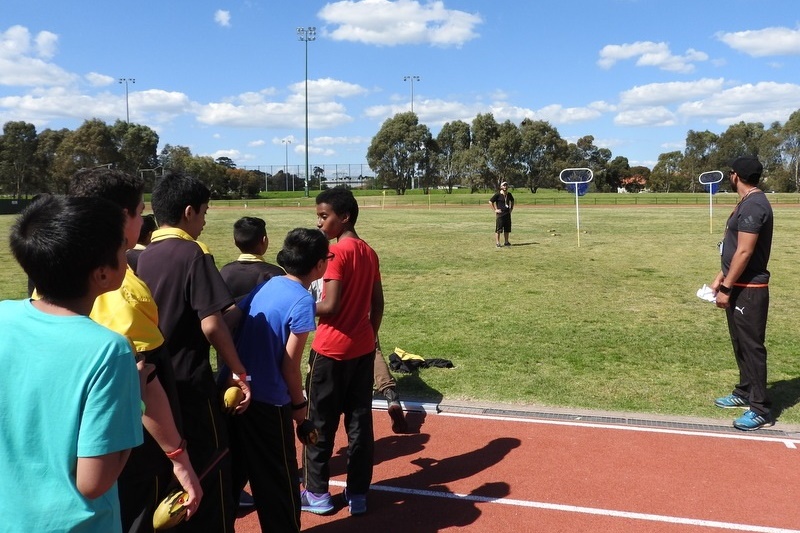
(176, 233)
(251, 258)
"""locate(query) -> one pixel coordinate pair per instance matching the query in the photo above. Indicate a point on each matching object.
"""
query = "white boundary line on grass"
(789, 443)
(581, 510)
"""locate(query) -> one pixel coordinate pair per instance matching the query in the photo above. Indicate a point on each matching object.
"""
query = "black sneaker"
(395, 409)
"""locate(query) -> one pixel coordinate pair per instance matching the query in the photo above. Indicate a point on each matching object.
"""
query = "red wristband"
(179, 450)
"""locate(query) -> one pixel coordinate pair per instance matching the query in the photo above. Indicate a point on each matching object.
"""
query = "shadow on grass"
(412, 386)
(784, 394)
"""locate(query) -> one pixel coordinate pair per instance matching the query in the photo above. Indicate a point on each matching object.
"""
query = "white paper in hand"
(706, 293)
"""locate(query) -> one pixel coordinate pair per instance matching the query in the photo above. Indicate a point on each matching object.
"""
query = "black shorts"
(503, 223)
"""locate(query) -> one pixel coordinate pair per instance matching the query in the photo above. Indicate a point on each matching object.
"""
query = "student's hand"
(242, 384)
(186, 476)
(307, 434)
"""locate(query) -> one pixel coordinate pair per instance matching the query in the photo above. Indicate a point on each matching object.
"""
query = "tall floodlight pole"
(412, 79)
(286, 143)
(305, 35)
(127, 109)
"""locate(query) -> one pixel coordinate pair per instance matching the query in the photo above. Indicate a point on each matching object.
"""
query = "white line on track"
(789, 443)
(581, 510)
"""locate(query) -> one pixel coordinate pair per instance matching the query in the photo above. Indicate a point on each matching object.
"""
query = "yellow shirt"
(130, 311)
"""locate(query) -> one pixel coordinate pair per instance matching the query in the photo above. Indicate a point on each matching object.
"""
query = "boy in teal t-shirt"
(70, 402)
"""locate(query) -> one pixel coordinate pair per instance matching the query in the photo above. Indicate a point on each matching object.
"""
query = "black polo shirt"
(187, 288)
(752, 215)
(241, 277)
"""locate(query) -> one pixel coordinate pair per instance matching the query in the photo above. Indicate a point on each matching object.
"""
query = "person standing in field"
(70, 398)
(340, 375)
(191, 297)
(502, 203)
(272, 326)
(131, 311)
(250, 269)
(384, 382)
(742, 289)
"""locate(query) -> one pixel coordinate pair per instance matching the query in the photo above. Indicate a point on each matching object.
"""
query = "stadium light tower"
(127, 109)
(286, 143)
(412, 79)
(305, 35)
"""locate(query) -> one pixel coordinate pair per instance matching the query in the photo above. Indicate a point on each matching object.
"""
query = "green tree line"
(32, 162)
(403, 154)
(479, 155)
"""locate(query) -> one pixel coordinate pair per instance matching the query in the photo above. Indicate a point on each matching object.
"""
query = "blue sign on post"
(710, 182)
(576, 181)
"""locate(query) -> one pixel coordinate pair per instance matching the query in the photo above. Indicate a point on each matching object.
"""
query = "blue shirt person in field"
(272, 326)
(70, 403)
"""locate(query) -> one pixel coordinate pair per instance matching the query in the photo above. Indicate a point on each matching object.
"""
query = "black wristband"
(724, 290)
(301, 405)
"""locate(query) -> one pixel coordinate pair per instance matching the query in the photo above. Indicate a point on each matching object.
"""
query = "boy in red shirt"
(340, 375)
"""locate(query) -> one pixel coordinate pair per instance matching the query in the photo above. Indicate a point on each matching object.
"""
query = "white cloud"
(434, 112)
(646, 116)
(46, 43)
(390, 23)
(231, 154)
(257, 143)
(47, 105)
(650, 54)
(673, 146)
(23, 63)
(766, 42)
(326, 89)
(665, 93)
(158, 101)
(257, 110)
(315, 150)
(223, 18)
(763, 102)
(99, 80)
(335, 141)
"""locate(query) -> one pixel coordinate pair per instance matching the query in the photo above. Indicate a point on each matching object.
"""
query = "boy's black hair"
(59, 240)
(148, 226)
(341, 201)
(120, 187)
(248, 232)
(302, 250)
(173, 192)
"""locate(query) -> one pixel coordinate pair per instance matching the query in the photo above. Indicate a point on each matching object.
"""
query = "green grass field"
(611, 324)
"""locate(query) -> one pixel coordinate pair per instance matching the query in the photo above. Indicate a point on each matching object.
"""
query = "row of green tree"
(32, 162)
(481, 154)
(404, 155)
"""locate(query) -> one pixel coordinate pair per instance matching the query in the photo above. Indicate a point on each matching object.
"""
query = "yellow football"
(232, 398)
(171, 510)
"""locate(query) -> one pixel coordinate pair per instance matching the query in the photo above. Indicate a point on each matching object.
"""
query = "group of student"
(108, 398)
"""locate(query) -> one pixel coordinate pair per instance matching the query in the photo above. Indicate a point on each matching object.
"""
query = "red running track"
(501, 474)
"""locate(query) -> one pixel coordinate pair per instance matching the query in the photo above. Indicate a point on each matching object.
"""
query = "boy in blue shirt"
(277, 318)
(70, 403)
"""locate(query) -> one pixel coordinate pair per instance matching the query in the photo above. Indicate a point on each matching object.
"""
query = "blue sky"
(226, 77)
